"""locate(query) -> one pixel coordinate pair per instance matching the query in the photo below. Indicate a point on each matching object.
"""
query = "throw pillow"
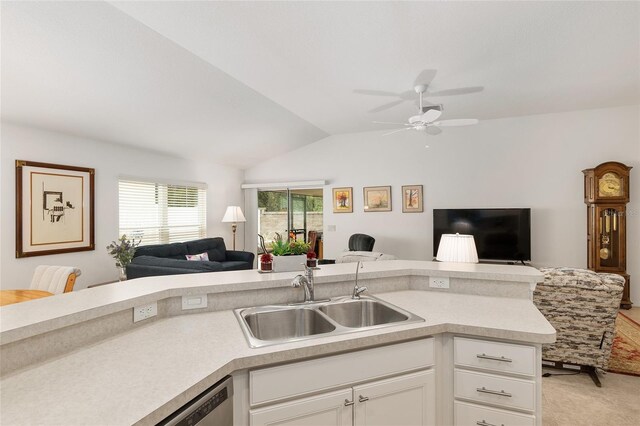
(198, 257)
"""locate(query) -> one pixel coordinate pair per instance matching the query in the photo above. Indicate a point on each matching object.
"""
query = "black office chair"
(361, 242)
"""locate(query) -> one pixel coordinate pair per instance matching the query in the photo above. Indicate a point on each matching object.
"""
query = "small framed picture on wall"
(54, 208)
(377, 199)
(412, 201)
(343, 200)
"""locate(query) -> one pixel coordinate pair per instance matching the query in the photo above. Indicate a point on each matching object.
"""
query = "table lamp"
(457, 248)
(233, 215)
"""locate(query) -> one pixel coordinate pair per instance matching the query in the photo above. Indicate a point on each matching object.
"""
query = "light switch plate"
(439, 282)
(194, 302)
(331, 228)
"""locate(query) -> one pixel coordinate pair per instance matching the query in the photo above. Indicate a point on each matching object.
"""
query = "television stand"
(507, 262)
(496, 262)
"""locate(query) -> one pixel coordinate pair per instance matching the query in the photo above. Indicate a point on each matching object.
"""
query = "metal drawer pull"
(362, 398)
(347, 403)
(492, 392)
(494, 358)
(483, 423)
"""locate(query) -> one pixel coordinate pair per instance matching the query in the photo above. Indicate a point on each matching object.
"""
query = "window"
(160, 213)
(289, 212)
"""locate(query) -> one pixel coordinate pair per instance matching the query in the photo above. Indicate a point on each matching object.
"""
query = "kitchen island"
(108, 370)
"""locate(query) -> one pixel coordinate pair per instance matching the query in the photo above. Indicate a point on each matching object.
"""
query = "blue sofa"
(170, 259)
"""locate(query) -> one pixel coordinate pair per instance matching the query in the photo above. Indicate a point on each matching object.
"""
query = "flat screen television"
(500, 234)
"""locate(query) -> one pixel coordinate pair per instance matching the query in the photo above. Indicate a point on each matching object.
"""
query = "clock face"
(610, 185)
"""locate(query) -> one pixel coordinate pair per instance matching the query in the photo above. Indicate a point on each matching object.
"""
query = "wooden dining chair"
(313, 238)
(54, 279)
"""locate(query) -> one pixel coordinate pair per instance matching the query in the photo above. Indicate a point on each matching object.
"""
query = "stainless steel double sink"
(275, 324)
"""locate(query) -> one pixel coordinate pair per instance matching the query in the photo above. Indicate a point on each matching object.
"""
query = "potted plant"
(312, 260)
(288, 257)
(266, 262)
(122, 251)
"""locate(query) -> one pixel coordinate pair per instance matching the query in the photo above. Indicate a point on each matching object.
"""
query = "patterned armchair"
(582, 306)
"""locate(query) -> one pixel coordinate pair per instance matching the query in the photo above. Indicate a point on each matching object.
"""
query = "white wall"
(533, 161)
(109, 161)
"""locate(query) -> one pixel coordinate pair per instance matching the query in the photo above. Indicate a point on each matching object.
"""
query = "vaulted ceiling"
(239, 81)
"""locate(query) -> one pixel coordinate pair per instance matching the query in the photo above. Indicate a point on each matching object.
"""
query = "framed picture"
(343, 200)
(412, 199)
(54, 209)
(377, 199)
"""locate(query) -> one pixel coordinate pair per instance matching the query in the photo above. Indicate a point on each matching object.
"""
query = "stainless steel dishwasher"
(213, 407)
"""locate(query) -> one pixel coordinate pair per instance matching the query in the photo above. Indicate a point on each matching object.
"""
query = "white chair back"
(54, 279)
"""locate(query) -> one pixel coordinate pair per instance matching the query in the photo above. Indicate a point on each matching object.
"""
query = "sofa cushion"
(175, 263)
(214, 247)
(198, 257)
(235, 266)
(170, 251)
(138, 271)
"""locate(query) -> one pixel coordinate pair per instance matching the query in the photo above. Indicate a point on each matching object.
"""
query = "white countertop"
(146, 373)
(23, 320)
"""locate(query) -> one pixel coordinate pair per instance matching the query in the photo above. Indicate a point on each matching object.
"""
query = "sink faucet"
(356, 289)
(306, 282)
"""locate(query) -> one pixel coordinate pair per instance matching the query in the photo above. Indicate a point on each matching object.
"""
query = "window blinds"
(160, 213)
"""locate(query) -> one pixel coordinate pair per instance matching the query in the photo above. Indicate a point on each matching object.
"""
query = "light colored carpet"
(575, 400)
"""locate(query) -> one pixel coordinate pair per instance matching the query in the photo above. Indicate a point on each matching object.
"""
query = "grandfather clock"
(606, 194)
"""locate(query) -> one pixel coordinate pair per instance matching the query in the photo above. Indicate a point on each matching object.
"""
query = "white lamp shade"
(234, 214)
(457, 248)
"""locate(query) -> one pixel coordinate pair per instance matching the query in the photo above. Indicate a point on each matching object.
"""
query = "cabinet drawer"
(299, 378)
(475, 415)
(495, 356)
(503, 391)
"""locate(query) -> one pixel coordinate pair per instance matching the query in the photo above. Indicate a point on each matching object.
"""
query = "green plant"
(279, 247)
(122, 250)
(299, 247)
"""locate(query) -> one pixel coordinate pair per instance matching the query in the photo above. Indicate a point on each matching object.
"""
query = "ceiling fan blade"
(457, 122)
(391, 122)
(407, 95)
(375, 92)
(431, 115)
(433, 130)
(387, 106)
(399, 130)
(425, 77)
(458, 91)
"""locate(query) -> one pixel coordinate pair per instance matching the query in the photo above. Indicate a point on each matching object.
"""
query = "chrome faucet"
(305, 281)
(358, 290)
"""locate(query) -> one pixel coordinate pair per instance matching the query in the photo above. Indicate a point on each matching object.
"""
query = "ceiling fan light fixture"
(425, 121)
(431, 114)
(415, 119)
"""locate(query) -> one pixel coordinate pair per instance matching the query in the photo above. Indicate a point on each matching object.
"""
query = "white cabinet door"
(326, 409)
(403, 400)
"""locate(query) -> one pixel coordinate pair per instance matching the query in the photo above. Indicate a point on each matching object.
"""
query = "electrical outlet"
(194, 302)
(439, 282)
(146, 311)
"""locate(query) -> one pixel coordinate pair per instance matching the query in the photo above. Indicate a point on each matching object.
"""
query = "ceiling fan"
(425, 78)
(425, 121)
